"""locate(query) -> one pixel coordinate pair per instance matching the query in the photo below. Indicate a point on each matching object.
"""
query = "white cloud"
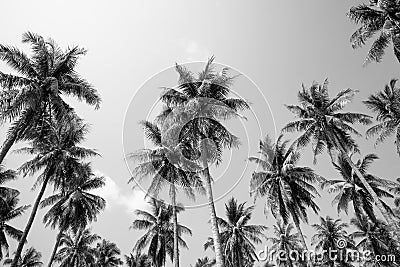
(113, 194)
(193, 50)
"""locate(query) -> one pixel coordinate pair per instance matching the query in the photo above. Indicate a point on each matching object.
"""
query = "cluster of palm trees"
(188, 137)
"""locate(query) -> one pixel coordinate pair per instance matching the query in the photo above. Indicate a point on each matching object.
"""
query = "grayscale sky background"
(278, 44)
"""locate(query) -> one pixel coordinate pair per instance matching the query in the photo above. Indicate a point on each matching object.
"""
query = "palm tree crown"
(386, 105)
(107, 254)
(30, 258)
(238, 236)
(380, 18)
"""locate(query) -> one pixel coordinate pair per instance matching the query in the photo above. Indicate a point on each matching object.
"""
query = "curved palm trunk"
(303, 241)
(30, 222)
(53, 254)
(375, 197)
(11, 137)
(176, 236)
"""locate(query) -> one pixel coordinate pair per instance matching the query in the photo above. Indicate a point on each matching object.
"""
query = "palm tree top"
(321, 120)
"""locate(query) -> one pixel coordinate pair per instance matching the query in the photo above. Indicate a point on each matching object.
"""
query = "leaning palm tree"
(319, 120)
(238, 236)
(329, 236)
(204, 262)
(30, 258)
(288, 189)
(75, 206)
(380, 17)
(168, 168)
(36, 90)
(386, 105)
(53, 154)
(351, 189)
(159, 234)
(6, 175)
(193, 114)
(137, 260)
(107, 254)
(76, 249)
(375, 237)
(285, 242)
(8, 212)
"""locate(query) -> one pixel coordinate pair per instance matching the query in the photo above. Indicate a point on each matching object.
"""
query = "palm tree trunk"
(30, 221)
(10, 140)
(53, 254)
(375, 197)
(176, 236)
(303, 241)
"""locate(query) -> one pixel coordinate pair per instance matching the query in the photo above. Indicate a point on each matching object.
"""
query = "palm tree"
(380, 18)
(165, 165)
(320, 120)
(138, 260)
(375, 237)
(237, 236)
(74, 207)
(350, 189)
(284, 241)
(36, 91)
(8, 212)
(329, 236)
(6, 175)
(193, 114)
(288, 188)
(76, 249)
(107, 254)
(204, 262)
(30, 258)
(53, 154)
(386, 105)
(159, 234)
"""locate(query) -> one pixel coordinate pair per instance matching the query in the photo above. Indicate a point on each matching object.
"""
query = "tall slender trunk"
(303, 241)
(30, 221)
(375, 197)
(213, 215)
(213, 219)
(10, 140)
(176, 236)
(53, 254)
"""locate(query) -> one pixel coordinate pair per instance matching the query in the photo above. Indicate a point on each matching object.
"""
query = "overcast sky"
(277, 45)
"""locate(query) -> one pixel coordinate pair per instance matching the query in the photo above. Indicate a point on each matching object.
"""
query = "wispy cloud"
(113, 194)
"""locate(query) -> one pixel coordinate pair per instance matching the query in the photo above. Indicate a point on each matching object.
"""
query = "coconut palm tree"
(351, 189)
(379, 18)
(168, 168)
(204, 262)
(8, 212)
(193, 114)
(107, 254)
(6, 175)
(53, 154)
(329, 236)
(238, 237)
(75, 206)
(287, 188)
(376, 238)
(285, 242)
(319, 120)
(159, 234)
(137, 260)
(386, 105)
(36, 90)
(76, 249)
(30, 258)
